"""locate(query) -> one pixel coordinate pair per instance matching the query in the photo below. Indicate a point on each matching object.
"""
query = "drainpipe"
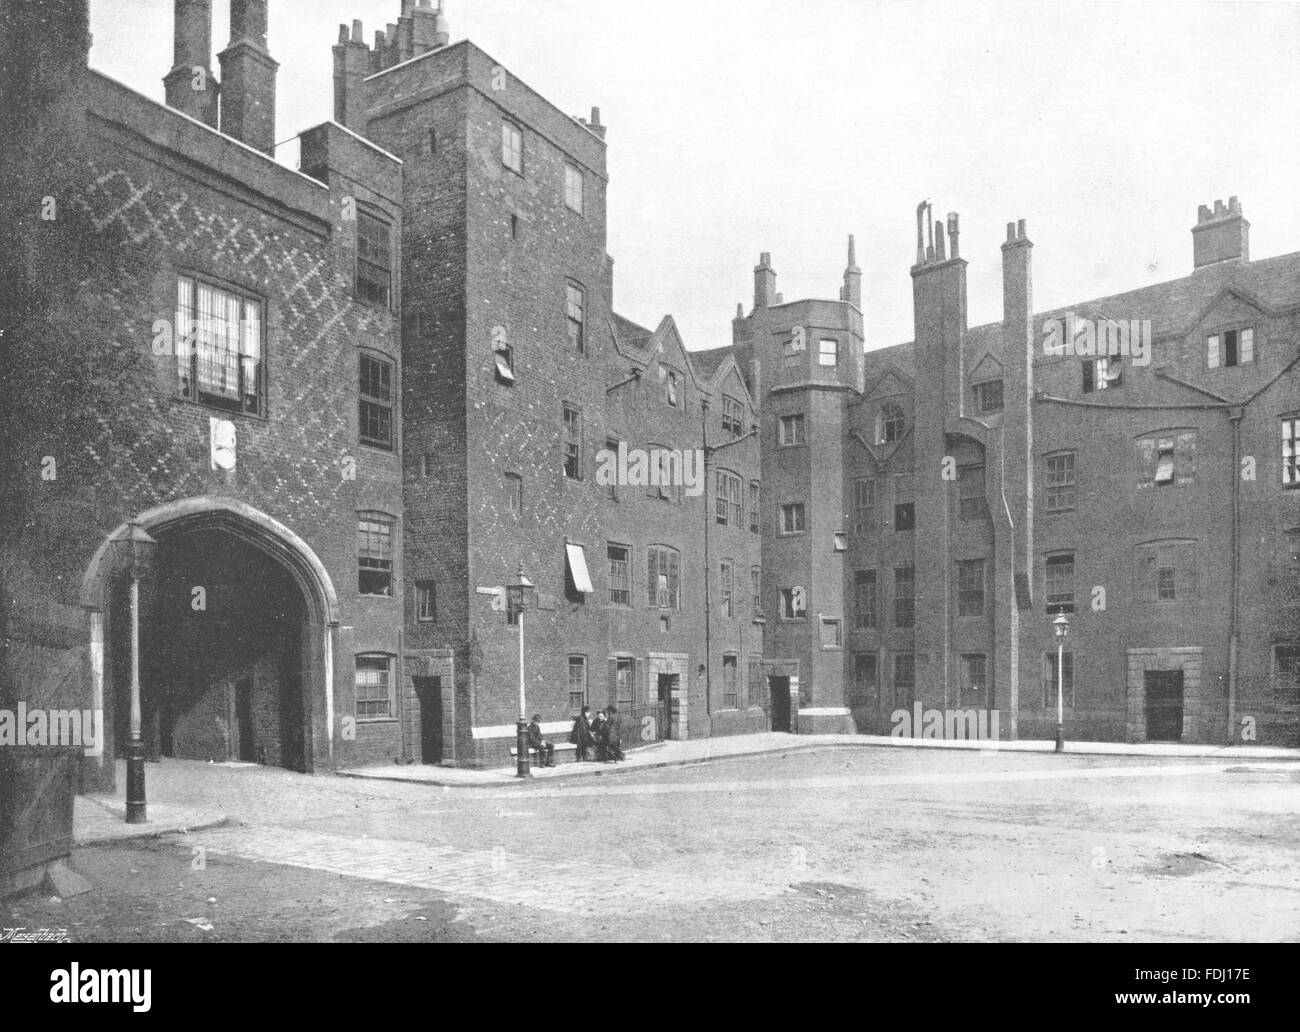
(708, 604)
(1235, 416)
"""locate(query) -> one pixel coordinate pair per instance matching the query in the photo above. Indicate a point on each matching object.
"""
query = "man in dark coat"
(581, 735)
(598, 727)
(545, 750)
(614, 735)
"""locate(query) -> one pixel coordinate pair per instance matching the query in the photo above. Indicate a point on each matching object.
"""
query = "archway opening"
(223, 630)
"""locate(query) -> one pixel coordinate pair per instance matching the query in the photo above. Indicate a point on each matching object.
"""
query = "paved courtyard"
(831, 843)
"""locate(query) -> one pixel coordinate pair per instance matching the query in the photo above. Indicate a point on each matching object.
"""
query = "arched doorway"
(237, 623)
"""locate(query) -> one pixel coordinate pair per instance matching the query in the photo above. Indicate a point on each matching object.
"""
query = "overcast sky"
(740, 126)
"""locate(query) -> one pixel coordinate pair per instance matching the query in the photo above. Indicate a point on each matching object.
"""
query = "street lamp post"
(518, 600)
(134, 548)
(1061, 625)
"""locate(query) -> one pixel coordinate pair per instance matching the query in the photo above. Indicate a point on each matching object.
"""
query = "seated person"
(545, 750)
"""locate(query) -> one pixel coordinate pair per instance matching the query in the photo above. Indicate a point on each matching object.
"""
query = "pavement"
(100, 819)
(808, 840)
(705, 750)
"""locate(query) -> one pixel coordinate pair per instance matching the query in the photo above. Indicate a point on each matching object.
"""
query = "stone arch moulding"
(242, 520)
(257, 529)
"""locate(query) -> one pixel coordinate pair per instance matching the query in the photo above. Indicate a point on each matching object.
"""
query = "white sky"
(740, 126)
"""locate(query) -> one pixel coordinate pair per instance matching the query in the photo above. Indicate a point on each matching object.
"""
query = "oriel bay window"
(219, 347)
(376, 404)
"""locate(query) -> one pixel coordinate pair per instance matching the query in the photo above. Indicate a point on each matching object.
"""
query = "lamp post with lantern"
(1061, 625)
(518, 594)
(134, 550)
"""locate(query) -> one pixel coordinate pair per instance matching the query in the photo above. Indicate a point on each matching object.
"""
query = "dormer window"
(1229, 348)
(672, 388)
(1101, 374)
(890, 422)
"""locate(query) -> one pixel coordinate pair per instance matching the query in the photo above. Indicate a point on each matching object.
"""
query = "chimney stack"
(351, 66)
(1221, 235)
(764, 282)
(430, 26)
(852, 291)
(248, 78)
(190, 86)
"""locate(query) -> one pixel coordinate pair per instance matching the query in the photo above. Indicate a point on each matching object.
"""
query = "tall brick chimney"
(852, 291)
(1221, 235)
(351, 66)
(190, 86)
(764, 282)
(248, 78)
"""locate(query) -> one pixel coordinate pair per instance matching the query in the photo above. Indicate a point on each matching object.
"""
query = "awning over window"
(578, 568)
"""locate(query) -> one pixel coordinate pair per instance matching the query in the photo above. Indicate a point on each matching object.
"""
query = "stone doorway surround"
(678, 663)
(1199, 712)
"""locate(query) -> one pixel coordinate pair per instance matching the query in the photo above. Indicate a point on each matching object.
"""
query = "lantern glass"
(134, 549)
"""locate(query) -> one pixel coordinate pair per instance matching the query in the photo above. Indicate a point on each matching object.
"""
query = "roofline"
(412, 60)
(468, 42)
(215, 132)
(358, 137)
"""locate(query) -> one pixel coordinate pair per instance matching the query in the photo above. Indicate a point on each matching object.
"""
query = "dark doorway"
(428, 690)
(778, 688)
(222, 632)
(1164, 705)
(668, 684)
(247, 745)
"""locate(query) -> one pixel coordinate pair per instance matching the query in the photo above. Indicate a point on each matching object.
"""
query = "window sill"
(376, 720)
(387, 449)
(377, 598)
(227, 413)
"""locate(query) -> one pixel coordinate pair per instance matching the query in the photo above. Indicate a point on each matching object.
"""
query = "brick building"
(194, 343)
(353, 401)
(520, 381)
(994, 477)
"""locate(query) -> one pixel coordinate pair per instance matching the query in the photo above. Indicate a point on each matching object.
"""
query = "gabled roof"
(1174, 307)
(628, 333)
(708, 362)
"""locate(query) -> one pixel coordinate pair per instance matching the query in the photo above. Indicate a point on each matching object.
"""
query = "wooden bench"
(560, 748)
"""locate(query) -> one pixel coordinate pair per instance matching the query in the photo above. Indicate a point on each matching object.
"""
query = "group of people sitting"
(604, 733)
